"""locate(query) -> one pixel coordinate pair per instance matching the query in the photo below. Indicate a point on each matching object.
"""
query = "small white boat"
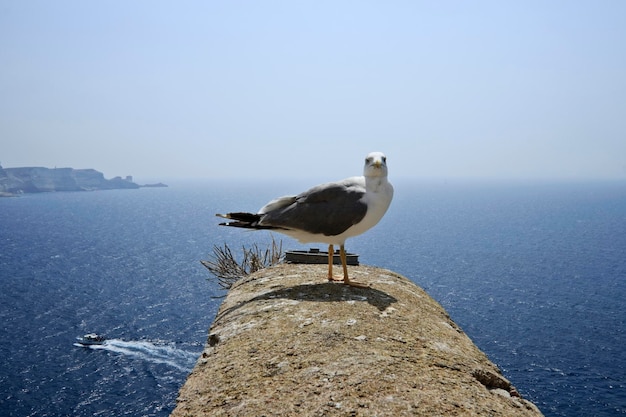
(91, 339)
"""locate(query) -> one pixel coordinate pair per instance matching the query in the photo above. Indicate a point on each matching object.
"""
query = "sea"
(534, 273)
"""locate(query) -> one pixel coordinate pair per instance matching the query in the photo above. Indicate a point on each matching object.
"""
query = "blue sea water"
(535, 274)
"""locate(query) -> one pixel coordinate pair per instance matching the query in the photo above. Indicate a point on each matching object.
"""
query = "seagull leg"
(344, 263)
(330, 262)
(331, 258)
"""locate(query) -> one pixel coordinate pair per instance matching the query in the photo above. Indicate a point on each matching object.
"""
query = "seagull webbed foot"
(351, 283)
(356, 284)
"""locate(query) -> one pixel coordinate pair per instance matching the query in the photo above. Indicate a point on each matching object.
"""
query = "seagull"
(327, 213)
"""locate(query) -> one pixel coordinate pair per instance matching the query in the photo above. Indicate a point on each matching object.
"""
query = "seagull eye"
(385, 159)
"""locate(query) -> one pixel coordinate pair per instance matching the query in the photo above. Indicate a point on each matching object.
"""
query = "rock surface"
(37, 179)
(287, 342)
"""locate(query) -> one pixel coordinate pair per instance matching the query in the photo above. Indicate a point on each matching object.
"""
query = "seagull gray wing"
(328, 209)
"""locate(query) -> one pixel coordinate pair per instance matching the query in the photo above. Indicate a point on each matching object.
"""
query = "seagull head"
(375, 165)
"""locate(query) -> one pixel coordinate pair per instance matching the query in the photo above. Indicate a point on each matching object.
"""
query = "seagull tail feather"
(244, 220)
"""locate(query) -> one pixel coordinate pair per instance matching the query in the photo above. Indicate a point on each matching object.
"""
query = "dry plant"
(225, 267)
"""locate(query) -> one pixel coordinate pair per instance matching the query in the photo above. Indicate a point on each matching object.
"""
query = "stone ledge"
(287, 342)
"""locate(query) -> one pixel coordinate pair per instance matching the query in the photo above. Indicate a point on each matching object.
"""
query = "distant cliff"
(287, 342)
(37, 180)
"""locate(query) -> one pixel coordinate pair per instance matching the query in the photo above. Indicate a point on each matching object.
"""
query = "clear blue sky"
(262, 89)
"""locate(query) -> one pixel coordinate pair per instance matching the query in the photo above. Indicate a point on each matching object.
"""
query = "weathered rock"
(287, 342)
(38, 179)
(4, 184)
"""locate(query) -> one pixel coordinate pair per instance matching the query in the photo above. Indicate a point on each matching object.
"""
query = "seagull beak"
(378, 164)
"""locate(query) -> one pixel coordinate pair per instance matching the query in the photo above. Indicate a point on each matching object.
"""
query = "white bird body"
(377, 195)
(328, 213)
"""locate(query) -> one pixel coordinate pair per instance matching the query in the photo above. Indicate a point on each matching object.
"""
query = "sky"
(305, 89)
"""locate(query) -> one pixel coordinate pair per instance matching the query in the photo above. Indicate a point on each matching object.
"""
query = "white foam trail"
(151, 352)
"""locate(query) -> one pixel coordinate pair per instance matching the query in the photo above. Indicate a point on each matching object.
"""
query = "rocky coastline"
(23, 180)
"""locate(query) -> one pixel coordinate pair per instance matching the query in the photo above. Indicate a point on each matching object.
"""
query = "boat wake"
(155, 352)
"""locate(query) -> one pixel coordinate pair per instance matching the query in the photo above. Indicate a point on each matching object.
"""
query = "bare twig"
(227, 270)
